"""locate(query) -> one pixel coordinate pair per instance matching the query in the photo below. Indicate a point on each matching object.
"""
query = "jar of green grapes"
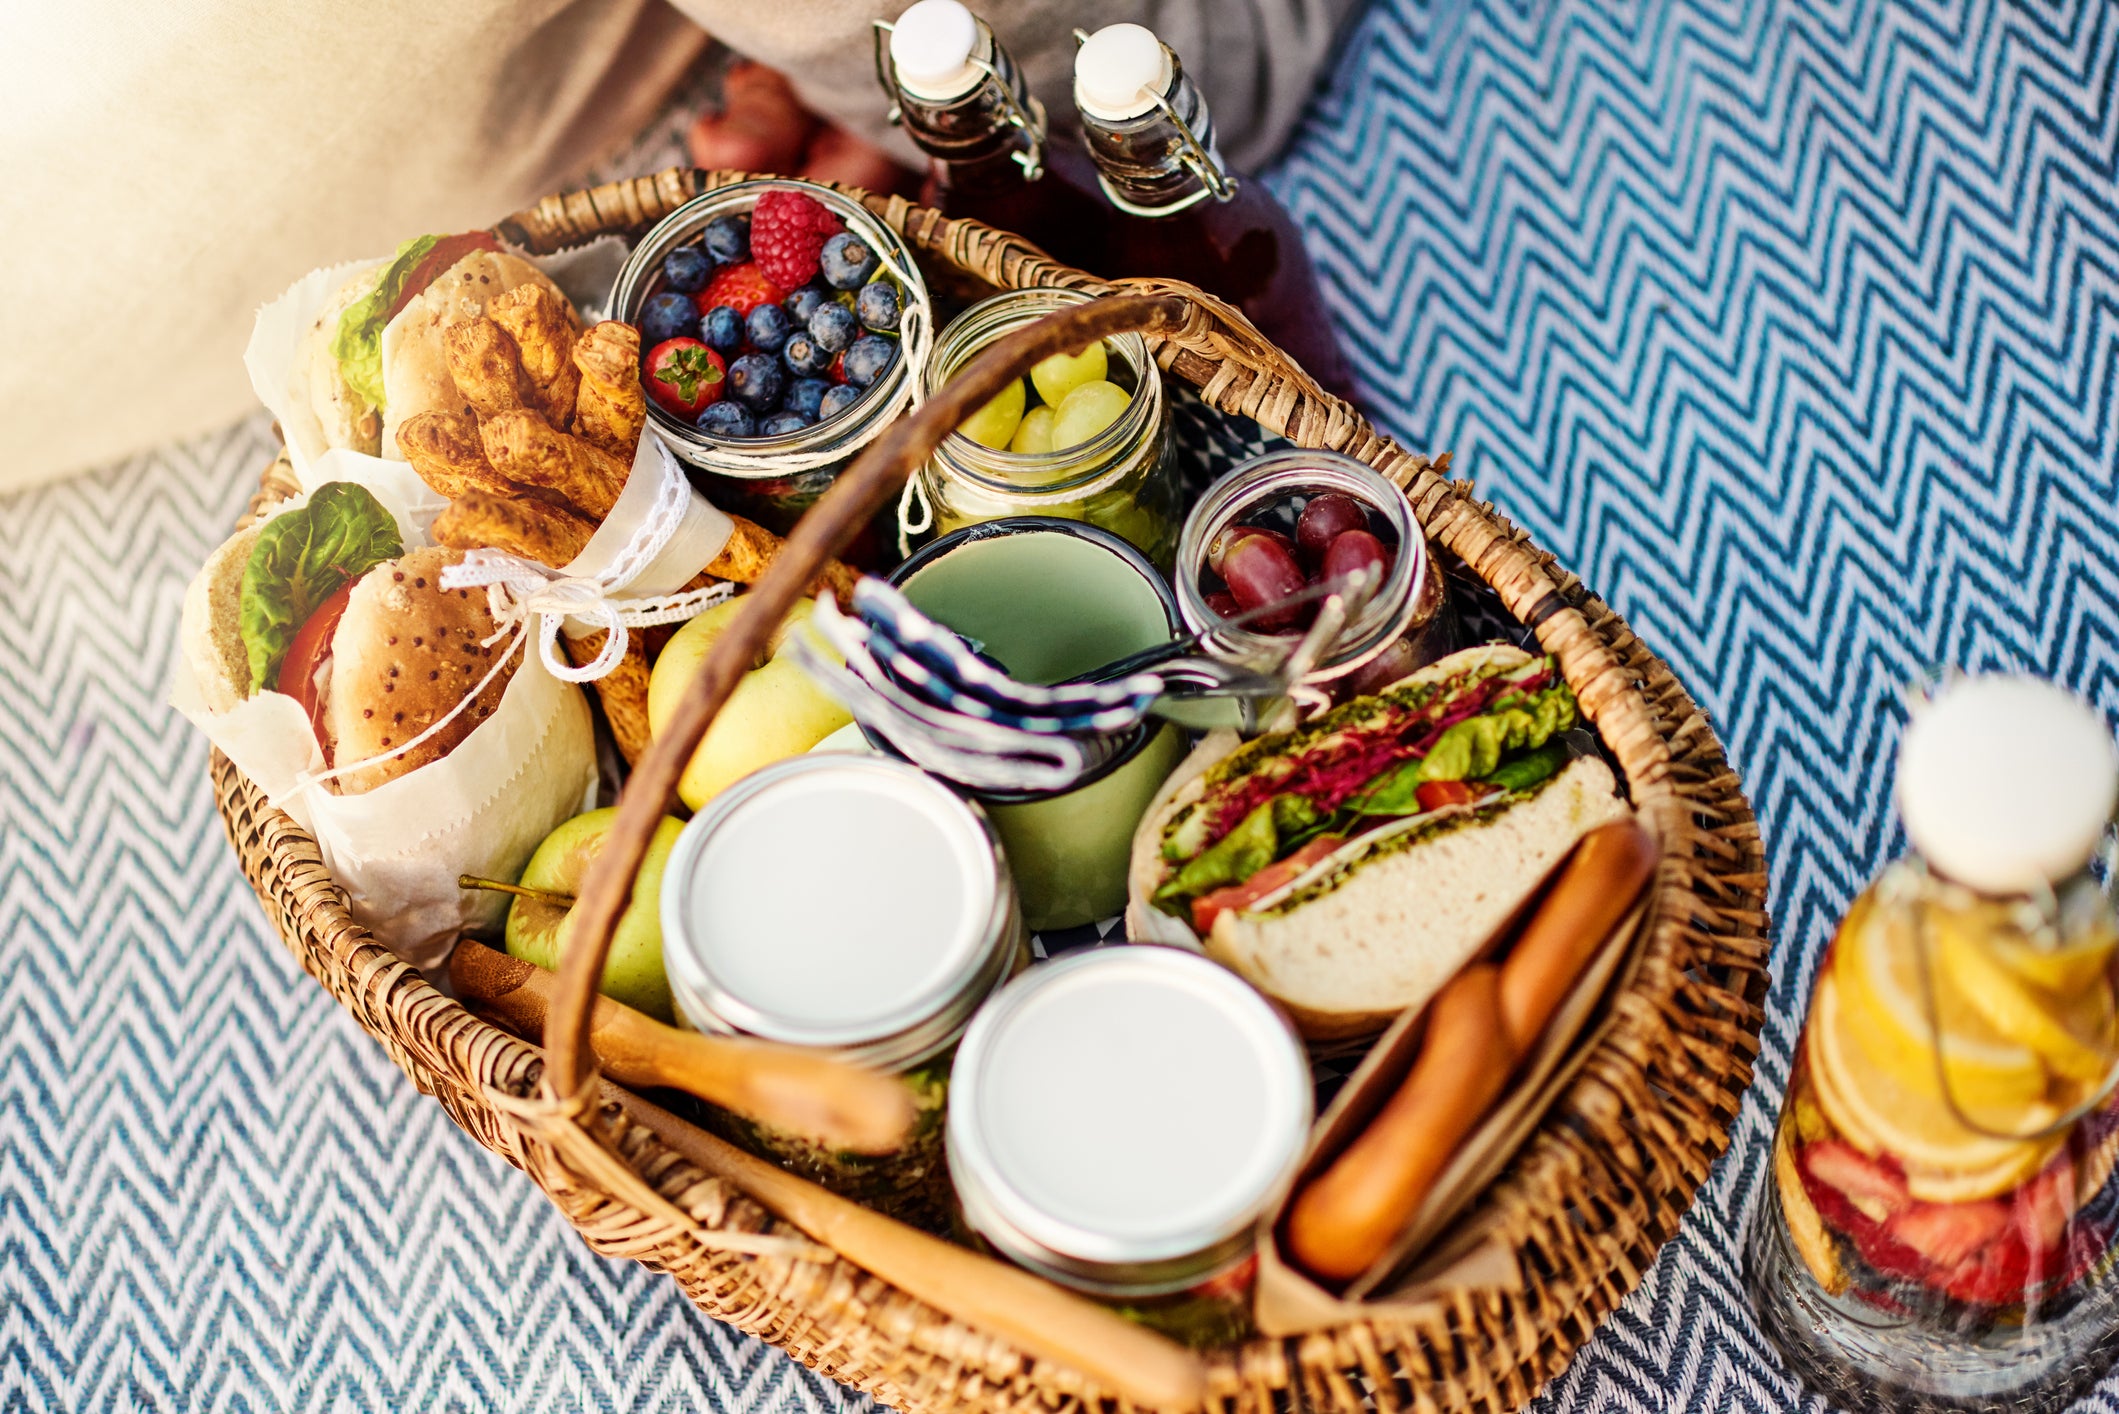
(1084, 437)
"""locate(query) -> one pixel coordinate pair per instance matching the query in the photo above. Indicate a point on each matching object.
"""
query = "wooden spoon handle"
(1128, 1360)
(797, 1090)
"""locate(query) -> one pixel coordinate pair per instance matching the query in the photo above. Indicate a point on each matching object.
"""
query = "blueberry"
(756, 379)
(668, 315)
(781, 423)
(687, 268)
(728, 239)
(722, 329)
(806, 396)
(768, 326)
(847, 261)
(804, 355)
(727, 419)
(879, 306)
(833, 327)
(803, 302)
(837, 399)
(869, 356)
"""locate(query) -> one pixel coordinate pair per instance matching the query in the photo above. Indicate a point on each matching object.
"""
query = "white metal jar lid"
(1125, 1105)
(931, 47)
(2006, 784)
(829, 900)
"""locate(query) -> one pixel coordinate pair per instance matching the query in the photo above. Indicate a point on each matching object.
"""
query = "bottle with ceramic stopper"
(1178, 209)
(962, 100)
(1938, 1228)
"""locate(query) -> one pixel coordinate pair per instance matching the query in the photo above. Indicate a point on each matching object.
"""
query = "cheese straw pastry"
(487, 370)
(443, 447)
(751, 548)
(522, 446)
(610, 408)
(554, 537)
(542, 326)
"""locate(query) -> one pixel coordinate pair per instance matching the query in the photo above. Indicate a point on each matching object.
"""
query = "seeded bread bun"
(406, 652)
(343, 416)
(209, 631)
(415, 362)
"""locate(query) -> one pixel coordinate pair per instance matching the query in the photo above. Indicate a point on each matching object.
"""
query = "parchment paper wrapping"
(397, 850)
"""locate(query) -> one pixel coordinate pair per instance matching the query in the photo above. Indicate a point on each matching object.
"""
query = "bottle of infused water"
(1939, 1226)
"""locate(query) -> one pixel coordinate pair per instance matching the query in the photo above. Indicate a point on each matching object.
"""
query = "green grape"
(995, 423)
(1061, 374)
(1034, 434)
(1087, 411)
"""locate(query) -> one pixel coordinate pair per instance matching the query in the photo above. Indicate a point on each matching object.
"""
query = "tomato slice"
(311, 646)
(446, 252)
(1435, 795)
(1208, 907)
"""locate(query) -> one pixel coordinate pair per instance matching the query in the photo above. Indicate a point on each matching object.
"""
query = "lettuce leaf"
(1255, 842)
(301, 559)
(1474, 748)
(358, 344)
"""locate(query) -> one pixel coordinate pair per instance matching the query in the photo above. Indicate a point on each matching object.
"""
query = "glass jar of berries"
(1288, 521)
(788, 313)
(1083, 437)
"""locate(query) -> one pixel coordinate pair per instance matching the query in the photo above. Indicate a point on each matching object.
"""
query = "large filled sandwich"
(323, 603)
(1350, 867)
(373, 357)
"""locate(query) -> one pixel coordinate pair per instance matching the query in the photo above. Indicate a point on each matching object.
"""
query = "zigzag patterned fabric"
(1788, 326)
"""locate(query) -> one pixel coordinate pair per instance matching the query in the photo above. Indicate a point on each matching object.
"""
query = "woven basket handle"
(871, 483)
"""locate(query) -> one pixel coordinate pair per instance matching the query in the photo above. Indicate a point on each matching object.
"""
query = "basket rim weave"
(1601, 1184)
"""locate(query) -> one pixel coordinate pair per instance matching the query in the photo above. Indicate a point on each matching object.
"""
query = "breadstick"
(1594, 889)
(542, 326)
(487, 368)
(751, 548)
(550, 536)
(1345, 1219)
(523, 448)
(443, 447)
(610, 407)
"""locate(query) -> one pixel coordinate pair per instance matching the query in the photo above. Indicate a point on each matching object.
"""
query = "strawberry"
(741, 287)
(787, 235)
(1865, 1183)
(684, 376)
(1949, 1234)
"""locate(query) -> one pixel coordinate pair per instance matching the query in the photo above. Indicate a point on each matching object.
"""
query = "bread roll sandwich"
(324, 604)
(1351, 867)
(374, 356)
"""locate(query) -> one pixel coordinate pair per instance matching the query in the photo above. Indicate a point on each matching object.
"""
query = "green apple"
(1087, 411)
(776, 711)
(1060, 374)
(995, 423)
(1034, 433)
(538, 931)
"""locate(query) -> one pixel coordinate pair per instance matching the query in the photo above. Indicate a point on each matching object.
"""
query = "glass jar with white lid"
(1122, 1118)
(853, 904)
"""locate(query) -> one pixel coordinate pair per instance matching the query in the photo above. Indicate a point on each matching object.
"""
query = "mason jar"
(1123, 1119)
(1120, 479)
(773, 480)
(856, 905)
(1405, 623)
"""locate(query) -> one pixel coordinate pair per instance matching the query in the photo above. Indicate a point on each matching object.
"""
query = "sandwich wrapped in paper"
(387, 714)
(1349, 868)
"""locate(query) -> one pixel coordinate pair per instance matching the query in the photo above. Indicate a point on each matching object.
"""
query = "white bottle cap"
(1120, 71)
(931, 48)
(2006, 784)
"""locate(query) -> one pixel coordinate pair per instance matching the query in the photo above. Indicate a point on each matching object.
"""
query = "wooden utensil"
(1135, 1363)
(787, 1087)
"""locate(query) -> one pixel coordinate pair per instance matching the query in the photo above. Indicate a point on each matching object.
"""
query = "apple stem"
(472, 881)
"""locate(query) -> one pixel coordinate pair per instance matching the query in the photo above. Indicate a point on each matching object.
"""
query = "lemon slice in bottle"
(2015, 1008)
(1877, 970)
(1881, 1111)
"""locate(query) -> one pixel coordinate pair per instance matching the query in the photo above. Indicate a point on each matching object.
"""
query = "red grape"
(1350, 550)
(1325, 519)
(1223, 604)
(1260, 569)
(1218, 547)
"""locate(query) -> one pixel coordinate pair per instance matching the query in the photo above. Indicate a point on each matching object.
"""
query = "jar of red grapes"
(1283, 522)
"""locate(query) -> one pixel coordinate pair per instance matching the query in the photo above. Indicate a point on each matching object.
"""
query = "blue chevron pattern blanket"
(1789, 326)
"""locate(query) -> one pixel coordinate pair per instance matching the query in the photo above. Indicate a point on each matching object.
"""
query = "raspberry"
(787, 235)
(741, 287)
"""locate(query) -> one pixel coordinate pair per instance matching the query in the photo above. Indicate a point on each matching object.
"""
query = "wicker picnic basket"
(1600, 1186)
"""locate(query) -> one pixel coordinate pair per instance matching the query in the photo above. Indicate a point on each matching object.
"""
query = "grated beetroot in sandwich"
(1331, 776)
